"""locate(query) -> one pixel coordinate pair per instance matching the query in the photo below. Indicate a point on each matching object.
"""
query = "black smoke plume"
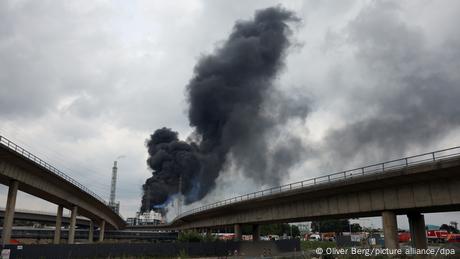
(170, 159)
(229, 112)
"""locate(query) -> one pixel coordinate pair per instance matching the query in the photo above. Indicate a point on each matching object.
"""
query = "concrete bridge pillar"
(9, 212)
(390, 229)
(57, 230)
(255, 232)
(238, 233)
(101, 231)
(90, 231)
(417, 230)
(73, 221)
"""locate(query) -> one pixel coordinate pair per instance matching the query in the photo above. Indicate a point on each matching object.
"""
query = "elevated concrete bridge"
(82, 234)
(413, 185)
(45, 217)
(21, 170)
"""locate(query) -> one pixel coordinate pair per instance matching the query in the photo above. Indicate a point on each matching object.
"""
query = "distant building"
(147, 218)
(150, 218)
(132, 221)
(304, 228)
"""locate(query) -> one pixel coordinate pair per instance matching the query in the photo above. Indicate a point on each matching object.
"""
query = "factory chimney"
(114, 205)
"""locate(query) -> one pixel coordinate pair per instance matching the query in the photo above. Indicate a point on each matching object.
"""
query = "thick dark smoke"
(229, 98)
(170, 159)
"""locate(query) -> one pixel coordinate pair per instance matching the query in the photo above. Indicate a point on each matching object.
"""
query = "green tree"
(335, 225)
(448, 228)
(279, 229)
(355, 227)
(246, 229)
(189, 236)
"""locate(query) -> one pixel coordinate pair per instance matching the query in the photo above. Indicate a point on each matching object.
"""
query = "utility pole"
(179, 199)
(349, 226)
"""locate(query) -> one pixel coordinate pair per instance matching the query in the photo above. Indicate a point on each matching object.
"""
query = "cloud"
(76, 78)
(409, 93)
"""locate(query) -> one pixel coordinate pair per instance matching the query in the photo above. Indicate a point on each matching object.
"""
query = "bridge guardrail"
(14, 147)
(339, 176)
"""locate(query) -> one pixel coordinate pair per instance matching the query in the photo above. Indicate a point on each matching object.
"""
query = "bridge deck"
(396, 178)
(42, 180)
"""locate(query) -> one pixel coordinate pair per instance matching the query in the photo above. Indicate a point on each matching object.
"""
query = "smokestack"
(179, 199)
(113, 186)
(115, 206)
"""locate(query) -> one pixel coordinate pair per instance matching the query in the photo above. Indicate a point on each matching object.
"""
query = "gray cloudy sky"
(84, 82)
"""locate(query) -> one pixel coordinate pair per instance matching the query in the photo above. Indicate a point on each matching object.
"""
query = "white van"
(314, 237)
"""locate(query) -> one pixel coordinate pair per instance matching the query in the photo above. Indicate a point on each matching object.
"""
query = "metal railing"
(12, 146)
(339, 176)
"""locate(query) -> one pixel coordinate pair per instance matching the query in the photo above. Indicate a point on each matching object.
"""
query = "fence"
(129, 250)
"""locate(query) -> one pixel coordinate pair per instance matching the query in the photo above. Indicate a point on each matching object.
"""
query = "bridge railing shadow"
(372, 169)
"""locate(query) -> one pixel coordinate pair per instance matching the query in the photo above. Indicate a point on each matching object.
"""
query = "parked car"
(314, 237)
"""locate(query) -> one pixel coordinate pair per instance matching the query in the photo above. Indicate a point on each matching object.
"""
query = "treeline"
(274, 229)
(337, 226)
(265, 230)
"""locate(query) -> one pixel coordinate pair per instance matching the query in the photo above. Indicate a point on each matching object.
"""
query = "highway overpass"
(82, 235)
(413, 185)
(82, 232)
(45, 217)
(21, 170)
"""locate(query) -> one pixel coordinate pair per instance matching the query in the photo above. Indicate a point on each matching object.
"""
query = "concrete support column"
(208, 232)
(91, 231)
(390, 229)
(238, 233)
(73, 221)
(255, 232)
(57, 230)
(101, 231)
(417, 230)
(9, 212)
